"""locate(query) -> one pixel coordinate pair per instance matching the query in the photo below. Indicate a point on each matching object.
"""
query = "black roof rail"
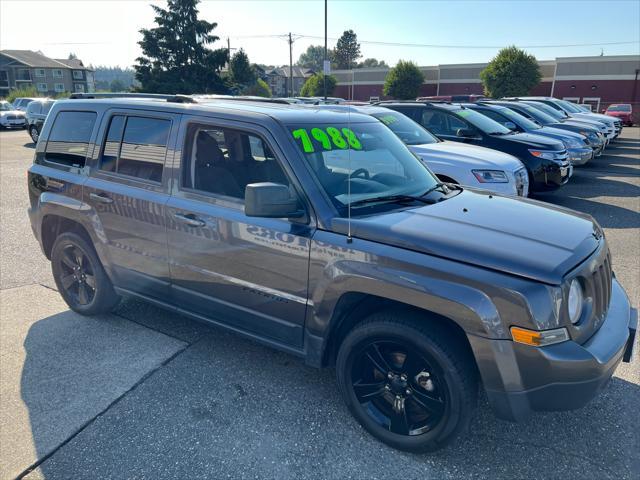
(244, 98)
(157, 96)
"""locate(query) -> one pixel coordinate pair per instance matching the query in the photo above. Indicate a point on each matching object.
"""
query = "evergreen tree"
(176, 57)
(240, 70)
(347, 50)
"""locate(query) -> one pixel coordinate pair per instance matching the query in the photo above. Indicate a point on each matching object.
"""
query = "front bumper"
(13, 123)
(580, 156)
(520, 379)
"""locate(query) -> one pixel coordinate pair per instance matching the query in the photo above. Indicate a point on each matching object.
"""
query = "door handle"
(100, 198)
(189, 219)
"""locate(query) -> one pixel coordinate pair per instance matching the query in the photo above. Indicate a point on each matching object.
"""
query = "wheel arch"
(54, 225)
(354, 307)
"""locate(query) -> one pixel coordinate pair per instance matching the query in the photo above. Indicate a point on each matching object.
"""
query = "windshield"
(488, 126)
(354, 162)
(557, 114)
(410, 132)
(518, 119)
(6, 107)
(538, 115)
(619, 108)
(569, 106)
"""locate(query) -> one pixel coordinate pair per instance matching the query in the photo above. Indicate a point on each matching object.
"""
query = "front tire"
(34, 133)
(412, 387)
(80, 277)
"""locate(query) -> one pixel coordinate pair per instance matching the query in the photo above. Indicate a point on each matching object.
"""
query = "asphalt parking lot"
(143, 393)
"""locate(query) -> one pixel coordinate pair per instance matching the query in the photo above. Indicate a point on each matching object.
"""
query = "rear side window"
(34, 108)
(136, 147)
(69, 138)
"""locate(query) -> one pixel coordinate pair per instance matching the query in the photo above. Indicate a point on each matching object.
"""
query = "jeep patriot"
(318, 233)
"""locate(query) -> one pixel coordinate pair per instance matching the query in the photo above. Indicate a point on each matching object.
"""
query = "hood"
(533, 140)
(465, 155)
(560, 133)
(588, 127)
(11, 112)
(618, 114)
(593, 117)
(518, 236)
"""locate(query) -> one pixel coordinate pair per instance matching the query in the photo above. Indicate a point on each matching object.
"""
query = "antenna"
(349, 239)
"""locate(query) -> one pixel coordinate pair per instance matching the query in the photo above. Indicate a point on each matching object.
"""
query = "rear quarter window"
(69, 138)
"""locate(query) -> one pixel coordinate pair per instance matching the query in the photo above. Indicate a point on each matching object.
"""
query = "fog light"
(575, 301)
(539, 339)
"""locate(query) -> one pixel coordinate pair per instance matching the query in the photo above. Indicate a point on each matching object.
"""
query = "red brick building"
(598, 81)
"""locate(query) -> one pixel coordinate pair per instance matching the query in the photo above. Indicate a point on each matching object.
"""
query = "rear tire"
(80, 277)
(412, 387)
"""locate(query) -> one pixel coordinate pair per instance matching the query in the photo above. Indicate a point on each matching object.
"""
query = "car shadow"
(229, 403)
(30, 145)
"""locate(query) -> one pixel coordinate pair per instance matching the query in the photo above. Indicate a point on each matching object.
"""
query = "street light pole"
(290, 66)
(324, 73)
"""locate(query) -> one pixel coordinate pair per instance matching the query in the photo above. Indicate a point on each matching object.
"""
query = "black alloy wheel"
(399, 387)
(78, 276)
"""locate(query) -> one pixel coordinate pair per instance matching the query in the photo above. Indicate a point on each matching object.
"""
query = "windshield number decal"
(388, 119)
(329, 138)
(464, 113)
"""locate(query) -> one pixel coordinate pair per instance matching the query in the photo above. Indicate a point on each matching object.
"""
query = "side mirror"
(270, 200)
(465, 133)
(510, 125)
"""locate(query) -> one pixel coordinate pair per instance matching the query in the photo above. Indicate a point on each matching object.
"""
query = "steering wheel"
(360, 172)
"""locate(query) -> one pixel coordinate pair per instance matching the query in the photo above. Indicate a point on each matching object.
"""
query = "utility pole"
(290, 66)
(324, 63)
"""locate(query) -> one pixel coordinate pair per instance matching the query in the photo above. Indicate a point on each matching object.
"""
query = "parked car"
(577, 149)
(10, 117)
(622, 111)
(563, 117)
(452, 98)
(36, 114)
(614, 126)
(546, 159)
(453, 162)
(21, 103)
(324, 236)
(592, 135)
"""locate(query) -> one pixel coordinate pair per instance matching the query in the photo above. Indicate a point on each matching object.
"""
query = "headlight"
(490, 176)
(543, 154)
(574, 303)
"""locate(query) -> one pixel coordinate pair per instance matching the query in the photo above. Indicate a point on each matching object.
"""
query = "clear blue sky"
(106, 32)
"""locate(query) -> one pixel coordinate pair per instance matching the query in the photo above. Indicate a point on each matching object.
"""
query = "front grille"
(600, 289)
(14, 117)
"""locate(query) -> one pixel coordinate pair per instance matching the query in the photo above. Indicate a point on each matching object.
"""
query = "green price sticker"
(464, 113)
(388, 119)
(329, 138)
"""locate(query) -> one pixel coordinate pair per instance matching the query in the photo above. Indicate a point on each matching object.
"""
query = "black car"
(546, 159)
(578, 150)
(37, 112)
(594, 137)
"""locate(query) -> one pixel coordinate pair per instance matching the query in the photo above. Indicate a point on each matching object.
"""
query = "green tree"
(347, 50)
(314, 86)
(510, 73)
(372, 63)
(313, 58)
(403, 81)
(117, 86)
(258, 89)
(240, 70)
(176, 57)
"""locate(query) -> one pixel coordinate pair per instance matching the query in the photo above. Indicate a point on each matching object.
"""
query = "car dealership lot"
(145, 393)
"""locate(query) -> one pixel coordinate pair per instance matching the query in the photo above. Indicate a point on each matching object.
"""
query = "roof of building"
(297, 72)
(74, 63)
(39, 60)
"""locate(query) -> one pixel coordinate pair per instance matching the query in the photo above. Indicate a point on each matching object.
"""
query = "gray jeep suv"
(319, 233)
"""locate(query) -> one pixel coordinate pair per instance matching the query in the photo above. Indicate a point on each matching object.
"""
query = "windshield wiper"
(405, 198)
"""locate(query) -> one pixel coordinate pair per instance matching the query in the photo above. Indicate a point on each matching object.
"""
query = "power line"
(426, 45)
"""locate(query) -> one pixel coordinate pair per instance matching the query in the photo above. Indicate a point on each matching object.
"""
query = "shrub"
(22, 92)
(511, 73)
(258, 89)
(403, 81)
(314, 86)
